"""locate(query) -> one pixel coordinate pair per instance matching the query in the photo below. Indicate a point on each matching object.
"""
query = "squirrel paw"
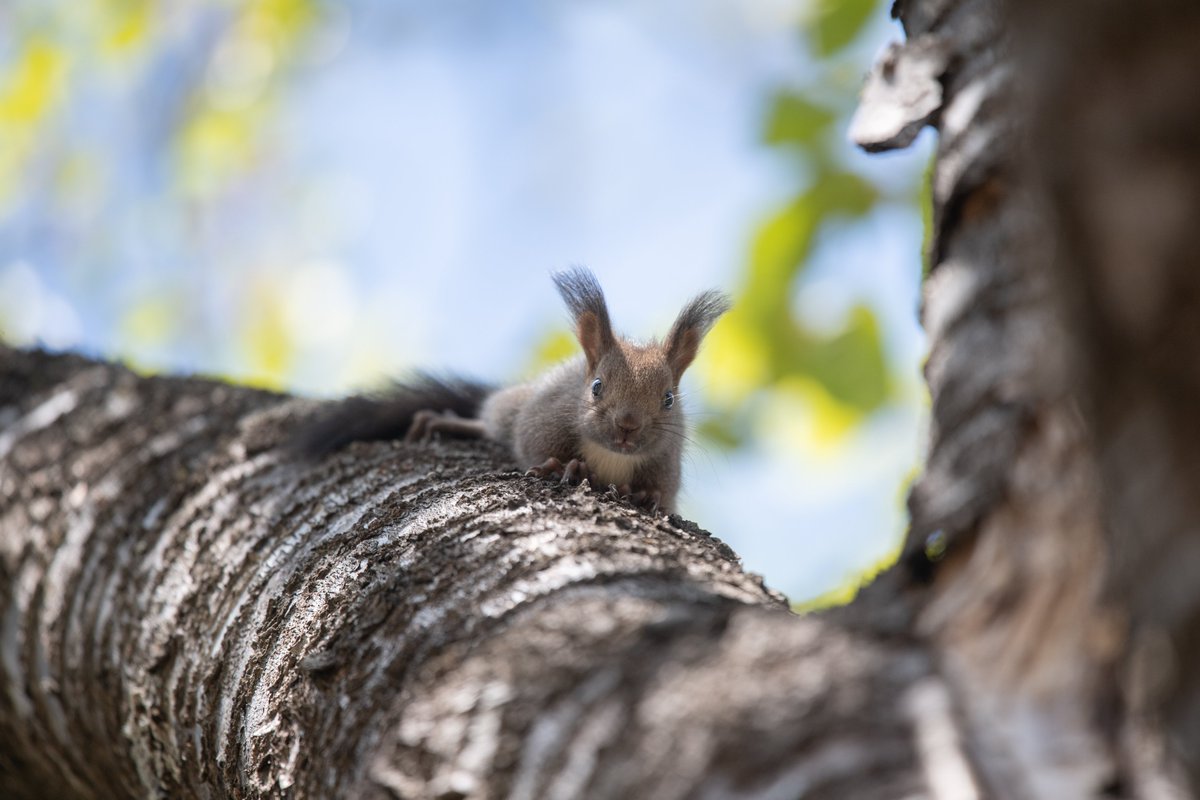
(576, 472)
(550, 468)
(573, 472)
(422, 426)
(643, 499)
(427, 422)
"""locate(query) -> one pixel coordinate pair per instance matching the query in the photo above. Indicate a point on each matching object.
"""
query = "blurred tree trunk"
(186, 611)
(1055, 523)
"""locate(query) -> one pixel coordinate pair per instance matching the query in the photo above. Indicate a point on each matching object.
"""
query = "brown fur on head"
(629, 393)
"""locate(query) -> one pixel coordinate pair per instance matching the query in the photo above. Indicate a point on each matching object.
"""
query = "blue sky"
(429, 166)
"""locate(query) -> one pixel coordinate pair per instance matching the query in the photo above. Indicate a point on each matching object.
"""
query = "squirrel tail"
(388, 415)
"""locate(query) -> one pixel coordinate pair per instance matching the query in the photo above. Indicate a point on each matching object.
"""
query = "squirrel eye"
(668, 399)
(596, 387)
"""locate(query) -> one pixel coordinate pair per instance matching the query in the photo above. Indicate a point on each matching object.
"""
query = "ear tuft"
(581, 292)
(693, 322)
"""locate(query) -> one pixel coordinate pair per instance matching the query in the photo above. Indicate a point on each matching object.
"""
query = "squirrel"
(611, 416)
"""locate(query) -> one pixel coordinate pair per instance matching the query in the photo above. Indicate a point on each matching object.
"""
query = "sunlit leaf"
(845, 193)
(31, 86)
(285, 19)
(735, 360)
(554, 347)
(130, 27)
(925, 203)
(837, 23)
(213, 146)
(779, 249)
(803, 412)
(852, 365)
(264, 343)
(794, 119)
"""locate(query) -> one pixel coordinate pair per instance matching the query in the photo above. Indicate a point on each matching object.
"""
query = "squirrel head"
(629, 393)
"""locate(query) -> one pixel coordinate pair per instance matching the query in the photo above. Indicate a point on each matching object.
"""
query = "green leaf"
(925, 203)
(851, 365)
(837, 23)
(796, 120)
(720, 433)
(779, 250)
(844, 193)
(783, 243)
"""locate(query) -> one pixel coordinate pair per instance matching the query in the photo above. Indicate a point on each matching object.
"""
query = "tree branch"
(190, 612)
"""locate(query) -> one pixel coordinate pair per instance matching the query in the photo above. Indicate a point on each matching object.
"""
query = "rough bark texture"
(1008, 528)
(185, 610)
(188, 611)
(1005, 519)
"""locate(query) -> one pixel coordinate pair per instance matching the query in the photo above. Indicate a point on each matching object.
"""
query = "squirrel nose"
(628, 423)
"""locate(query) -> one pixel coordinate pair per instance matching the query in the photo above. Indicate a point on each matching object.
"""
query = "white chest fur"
(609, 467)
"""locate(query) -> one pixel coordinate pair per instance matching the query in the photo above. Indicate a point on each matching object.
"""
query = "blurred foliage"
(846, 591)
(554, 347)
(838, 376)
(222, 62)
(132, 132)
(207, 71)
(837, 23)
(217, 140)
(925, 202)
(31, 89)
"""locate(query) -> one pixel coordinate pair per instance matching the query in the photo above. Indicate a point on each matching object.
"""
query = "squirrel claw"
(421, 428)
(550, 468)
(575, 471)
(427, 422)
(646, 499)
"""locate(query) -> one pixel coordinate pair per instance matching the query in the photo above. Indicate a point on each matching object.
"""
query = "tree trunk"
(188, 610)
(1032, 609)
(1115, 159)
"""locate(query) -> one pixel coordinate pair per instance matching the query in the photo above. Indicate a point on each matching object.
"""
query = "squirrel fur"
(611, 415)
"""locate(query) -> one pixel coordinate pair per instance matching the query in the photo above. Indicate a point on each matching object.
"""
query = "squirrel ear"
(581, 292)
(693, 322)
(588, 331)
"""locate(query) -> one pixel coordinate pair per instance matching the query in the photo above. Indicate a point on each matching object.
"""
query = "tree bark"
(1026, 611)
(191, 612)
(188, 610)
(1115, 161)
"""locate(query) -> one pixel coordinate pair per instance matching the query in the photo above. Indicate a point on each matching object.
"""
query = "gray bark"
(186, 610)
(1020, 525)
